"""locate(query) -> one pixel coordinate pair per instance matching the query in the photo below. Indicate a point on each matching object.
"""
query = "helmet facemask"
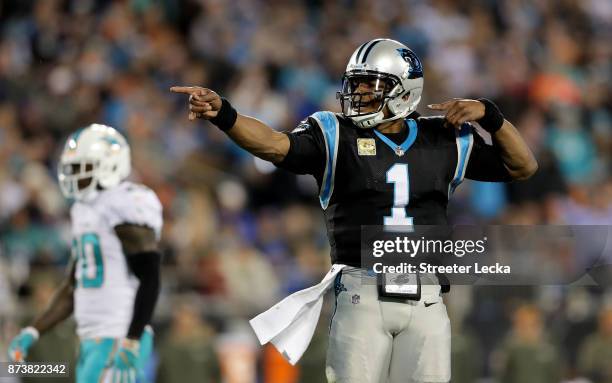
(365, 94)
(78, 179)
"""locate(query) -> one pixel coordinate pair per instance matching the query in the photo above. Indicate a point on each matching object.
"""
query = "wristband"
(493, 119)
(226, 117)
(32, 331)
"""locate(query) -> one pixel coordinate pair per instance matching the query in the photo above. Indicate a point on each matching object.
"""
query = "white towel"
(290, 324)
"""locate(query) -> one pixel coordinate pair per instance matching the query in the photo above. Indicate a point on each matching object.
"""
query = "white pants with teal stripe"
(386, 341)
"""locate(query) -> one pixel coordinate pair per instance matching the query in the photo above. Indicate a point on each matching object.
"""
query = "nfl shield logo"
(355, 299)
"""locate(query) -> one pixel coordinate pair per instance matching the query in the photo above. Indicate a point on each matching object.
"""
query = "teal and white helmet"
(94, 157)
(395, 77)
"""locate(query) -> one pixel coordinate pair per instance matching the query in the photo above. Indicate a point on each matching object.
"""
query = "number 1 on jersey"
(398, 220)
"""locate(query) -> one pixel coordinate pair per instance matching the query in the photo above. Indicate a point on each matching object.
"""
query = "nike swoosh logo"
(429, 304)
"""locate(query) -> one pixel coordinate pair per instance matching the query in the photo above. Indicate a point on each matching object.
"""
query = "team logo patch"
(355, 299)
(366, 147)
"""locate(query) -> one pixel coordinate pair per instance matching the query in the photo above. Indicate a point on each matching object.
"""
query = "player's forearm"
(516, 155)
(249, 133)
(259, 139)
(139, 245)
(144, 306)
(147, 268)
(60, 308)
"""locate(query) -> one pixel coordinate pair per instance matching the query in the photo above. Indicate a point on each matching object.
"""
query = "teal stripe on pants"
(94, 355)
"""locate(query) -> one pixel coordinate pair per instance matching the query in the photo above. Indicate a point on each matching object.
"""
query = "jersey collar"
(401, 149)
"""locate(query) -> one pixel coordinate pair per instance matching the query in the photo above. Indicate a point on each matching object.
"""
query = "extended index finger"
(187, 89)
(442, 106)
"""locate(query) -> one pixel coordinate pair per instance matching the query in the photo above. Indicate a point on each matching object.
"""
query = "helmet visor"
(364, 93)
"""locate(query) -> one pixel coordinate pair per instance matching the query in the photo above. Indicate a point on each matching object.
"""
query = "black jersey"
(367, 178)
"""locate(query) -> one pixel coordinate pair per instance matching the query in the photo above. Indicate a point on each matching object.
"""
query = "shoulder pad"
(135, 204)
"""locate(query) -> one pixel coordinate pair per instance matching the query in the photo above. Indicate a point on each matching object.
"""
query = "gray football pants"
(387, 340)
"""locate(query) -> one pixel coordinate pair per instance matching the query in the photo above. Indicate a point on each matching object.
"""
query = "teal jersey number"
(89, 254)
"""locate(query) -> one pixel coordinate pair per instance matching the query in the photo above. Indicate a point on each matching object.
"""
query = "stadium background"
(239, 235)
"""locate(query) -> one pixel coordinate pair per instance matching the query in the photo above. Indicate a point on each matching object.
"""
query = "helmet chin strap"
(372, 122)
(396, 117)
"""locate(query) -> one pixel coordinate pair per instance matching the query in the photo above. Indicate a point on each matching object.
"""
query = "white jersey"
(105, 287)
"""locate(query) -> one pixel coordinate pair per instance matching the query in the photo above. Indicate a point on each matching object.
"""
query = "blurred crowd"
(239, 234)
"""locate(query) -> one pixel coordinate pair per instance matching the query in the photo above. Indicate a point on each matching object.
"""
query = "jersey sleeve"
(485, 163)
(306, 150)
(137, 205)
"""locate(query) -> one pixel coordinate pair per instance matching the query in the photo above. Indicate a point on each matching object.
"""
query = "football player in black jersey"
(380, 163)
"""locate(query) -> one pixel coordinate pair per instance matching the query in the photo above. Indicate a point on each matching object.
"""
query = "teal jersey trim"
(404, 146)
(465, 141)
(329, 125)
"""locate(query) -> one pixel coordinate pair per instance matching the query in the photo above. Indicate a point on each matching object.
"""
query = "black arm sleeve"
(146, 266)
(486, 163)
(306, 150)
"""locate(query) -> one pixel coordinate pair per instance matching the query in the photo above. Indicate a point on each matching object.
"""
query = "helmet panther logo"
(416, 69)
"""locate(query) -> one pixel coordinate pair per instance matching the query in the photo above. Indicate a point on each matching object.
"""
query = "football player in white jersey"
(114, 278)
